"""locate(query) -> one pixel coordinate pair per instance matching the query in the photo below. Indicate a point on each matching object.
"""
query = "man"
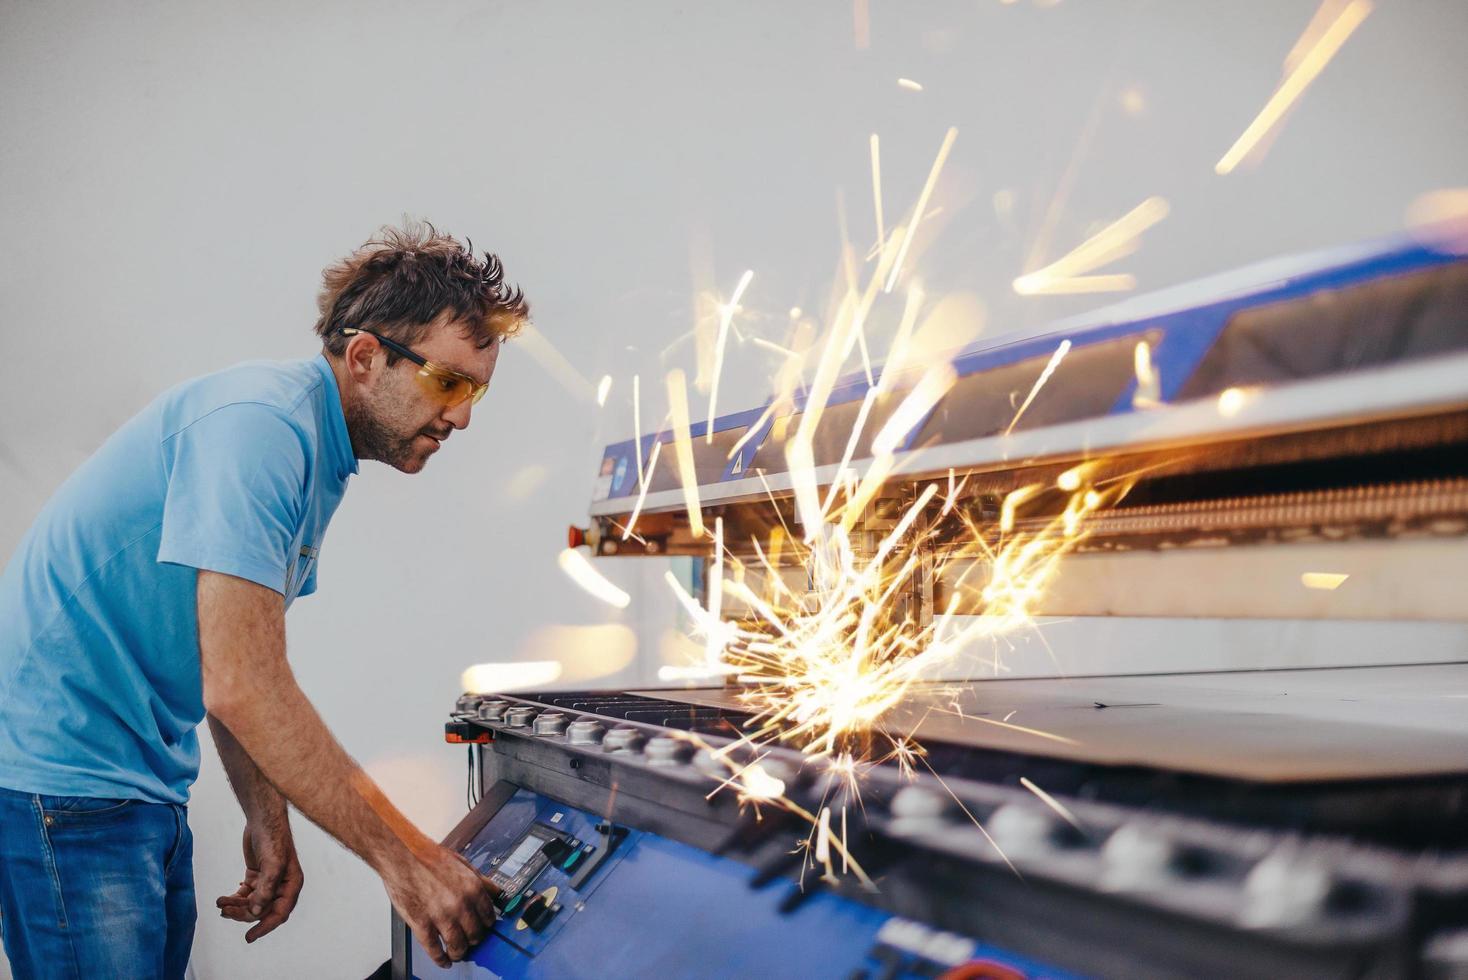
(151, 593)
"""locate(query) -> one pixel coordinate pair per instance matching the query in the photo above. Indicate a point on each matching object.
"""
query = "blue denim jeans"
(94, 887)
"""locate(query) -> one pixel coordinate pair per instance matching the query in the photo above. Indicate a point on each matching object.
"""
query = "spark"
(1306, 66)
(909, 84)
(683, 449)
(603, 388)
(1231, 401)
(770, 345)
(1052, 803)
(1069, 273)
(1323, 580)
(922, 205)
(1027, 731)
(1148, 393)
(877, 188)
(914, 408)
(1050, 367)
(637, 424)
(726, 317)
(580, 571)
(642, 485)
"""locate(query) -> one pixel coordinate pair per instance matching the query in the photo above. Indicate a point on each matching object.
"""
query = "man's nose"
(458, 415)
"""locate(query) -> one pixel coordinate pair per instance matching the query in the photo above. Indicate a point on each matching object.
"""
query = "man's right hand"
(448, 905)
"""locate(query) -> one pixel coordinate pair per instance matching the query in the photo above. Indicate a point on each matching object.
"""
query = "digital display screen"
(528, 847)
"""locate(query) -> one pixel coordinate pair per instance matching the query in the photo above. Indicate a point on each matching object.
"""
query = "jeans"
(95, 887)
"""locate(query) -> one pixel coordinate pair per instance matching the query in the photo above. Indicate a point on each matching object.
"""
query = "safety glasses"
(447, 387)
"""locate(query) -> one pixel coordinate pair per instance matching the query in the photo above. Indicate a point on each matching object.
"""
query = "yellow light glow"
(1323, 580)
(580, 571)
(909, 84)
(502, 678)
(602, 388)
(1439, 219)
(1307, 66)
(1231, 401)
(757, 784)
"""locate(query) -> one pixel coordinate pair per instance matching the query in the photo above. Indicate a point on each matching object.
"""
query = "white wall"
(174, 174)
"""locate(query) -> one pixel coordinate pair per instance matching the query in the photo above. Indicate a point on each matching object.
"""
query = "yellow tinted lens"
(448, 389)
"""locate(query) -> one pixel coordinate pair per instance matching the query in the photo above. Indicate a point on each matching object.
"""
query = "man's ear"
(360, 357)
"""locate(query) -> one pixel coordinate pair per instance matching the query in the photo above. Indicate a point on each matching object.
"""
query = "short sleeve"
(236, 494)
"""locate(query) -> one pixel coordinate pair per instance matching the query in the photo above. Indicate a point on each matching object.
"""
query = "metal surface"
(1264, 726)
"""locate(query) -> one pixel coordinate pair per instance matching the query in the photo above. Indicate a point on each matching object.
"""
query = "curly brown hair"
(402, 280)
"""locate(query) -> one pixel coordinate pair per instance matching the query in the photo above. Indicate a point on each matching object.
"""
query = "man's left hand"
(272, 883)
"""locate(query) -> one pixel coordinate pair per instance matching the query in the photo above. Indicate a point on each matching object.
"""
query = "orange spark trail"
(922, 206)
(1306, 67)
(683, 447)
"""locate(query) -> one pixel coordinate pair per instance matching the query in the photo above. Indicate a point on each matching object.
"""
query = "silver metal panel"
(1264, 726)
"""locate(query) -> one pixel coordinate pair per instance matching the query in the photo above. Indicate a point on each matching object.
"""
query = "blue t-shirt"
(236, 472)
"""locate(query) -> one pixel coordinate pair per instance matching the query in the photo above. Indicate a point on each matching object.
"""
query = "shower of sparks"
(1326, 581)
(683, 449)
(922, 206)
(1050, 367)
(1304, 63)
(877, 187)
(821, 664)
(603, 388)
(909, 84)
(1071, 272)
(579, 570)
(726, 317)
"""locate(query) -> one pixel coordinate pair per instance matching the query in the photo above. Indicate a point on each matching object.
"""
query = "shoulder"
(256, 395)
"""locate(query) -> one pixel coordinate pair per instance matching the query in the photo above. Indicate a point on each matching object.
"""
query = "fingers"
(428, 940)
(455, 943)
(267, 884)
(283, 905)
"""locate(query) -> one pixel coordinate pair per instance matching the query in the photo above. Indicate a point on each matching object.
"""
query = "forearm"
(281, 730)
(250, 690)
(258, 798)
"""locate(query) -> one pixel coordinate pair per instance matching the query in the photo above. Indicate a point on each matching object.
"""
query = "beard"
(381, 429)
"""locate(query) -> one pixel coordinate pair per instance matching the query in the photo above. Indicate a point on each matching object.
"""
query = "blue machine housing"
(1181, 325)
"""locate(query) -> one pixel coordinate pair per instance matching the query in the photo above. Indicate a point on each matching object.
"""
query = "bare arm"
(249, 689)
(273, 880)
(259, 800)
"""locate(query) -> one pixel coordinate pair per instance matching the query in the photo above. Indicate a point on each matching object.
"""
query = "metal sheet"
(1265, 726)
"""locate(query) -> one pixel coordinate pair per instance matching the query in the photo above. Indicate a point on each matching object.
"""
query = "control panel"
(582, 896)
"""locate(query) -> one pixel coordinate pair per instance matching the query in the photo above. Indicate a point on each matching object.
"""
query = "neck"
(349, 401)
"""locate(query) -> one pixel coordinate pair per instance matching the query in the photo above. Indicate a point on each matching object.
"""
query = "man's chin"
(413, 460)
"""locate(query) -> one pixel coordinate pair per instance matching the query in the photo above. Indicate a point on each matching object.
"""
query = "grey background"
(174, 175)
